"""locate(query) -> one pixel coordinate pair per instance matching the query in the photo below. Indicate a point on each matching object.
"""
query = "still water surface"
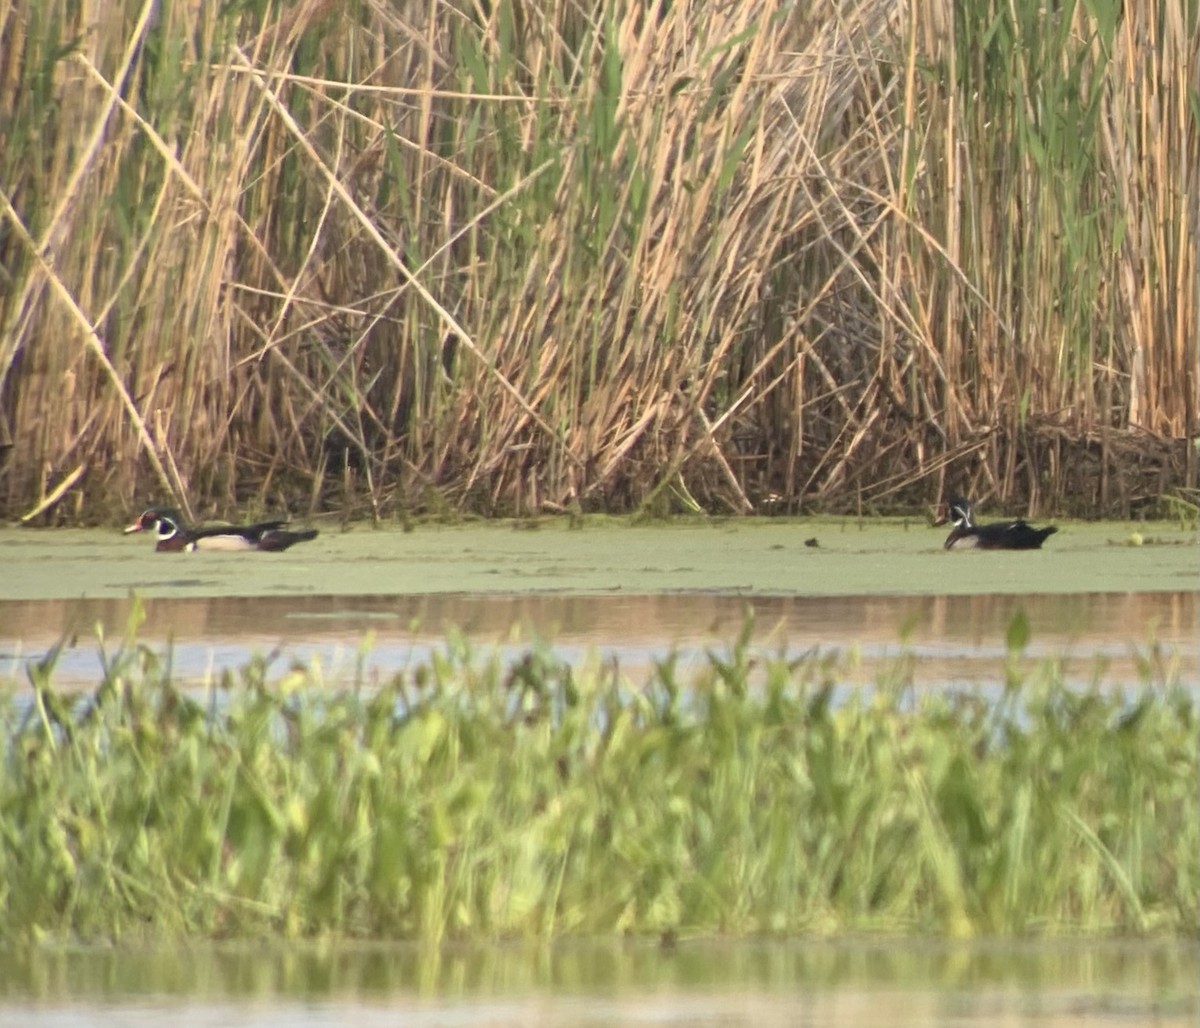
(848, 983)
(953, 638)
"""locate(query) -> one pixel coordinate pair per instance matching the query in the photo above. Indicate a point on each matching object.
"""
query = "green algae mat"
(755, 556)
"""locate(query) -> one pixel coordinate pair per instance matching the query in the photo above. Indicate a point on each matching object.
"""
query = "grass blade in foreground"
(472, 800)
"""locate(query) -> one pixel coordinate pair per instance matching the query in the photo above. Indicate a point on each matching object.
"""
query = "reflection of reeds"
(471, 799)
(551, 259)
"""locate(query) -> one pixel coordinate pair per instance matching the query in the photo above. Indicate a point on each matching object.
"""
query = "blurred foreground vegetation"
(387, 257)
(467, 799)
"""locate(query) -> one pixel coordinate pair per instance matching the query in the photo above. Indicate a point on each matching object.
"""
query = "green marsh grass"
(470, 799)
(397, 256)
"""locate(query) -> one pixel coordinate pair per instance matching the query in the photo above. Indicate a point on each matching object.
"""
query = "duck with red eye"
(998, 535)
(175, 537)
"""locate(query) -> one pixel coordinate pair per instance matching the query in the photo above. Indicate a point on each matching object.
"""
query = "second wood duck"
(998, 535)
(174, 536)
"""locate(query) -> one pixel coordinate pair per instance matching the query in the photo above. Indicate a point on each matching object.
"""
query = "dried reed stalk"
(442, 256)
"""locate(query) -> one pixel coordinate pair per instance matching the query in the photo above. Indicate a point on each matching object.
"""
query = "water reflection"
(845, 982)
(953, 637)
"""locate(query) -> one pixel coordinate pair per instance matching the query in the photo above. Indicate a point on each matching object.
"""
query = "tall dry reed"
(388, 256)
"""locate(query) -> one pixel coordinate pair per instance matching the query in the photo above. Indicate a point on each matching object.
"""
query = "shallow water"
(629, 591)
(844, 982)
(366, 638)
(632, 594)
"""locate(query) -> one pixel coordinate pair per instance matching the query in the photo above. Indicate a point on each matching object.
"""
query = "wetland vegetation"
(477, 799)
(536, 257)
(423, 262)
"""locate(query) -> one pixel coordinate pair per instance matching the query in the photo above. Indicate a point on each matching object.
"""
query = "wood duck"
(174, 537)
(999, 535)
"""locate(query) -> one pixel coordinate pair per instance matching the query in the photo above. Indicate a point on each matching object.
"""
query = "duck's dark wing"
(275, 540)
(1012, 535)
(1029, 538)
(251, 533)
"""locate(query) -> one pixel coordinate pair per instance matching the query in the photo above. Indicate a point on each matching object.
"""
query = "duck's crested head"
(164, 520)
(959, 512)
(955, 510)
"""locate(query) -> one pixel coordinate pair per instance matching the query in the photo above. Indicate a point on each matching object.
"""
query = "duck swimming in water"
(175, 537)
(998, 535)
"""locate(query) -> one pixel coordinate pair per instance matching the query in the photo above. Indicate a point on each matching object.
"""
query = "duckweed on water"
(469, 799)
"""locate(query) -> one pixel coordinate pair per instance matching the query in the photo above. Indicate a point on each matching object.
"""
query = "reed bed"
(471, 800)
(392, 257)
